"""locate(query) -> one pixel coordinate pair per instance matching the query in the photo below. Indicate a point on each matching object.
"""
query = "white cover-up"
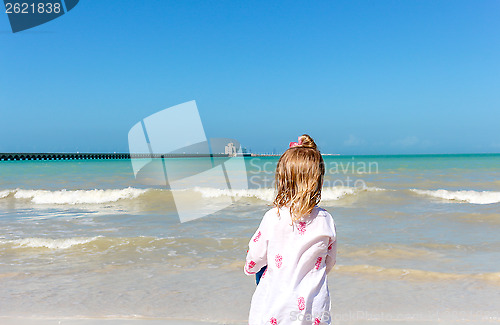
(294, 287)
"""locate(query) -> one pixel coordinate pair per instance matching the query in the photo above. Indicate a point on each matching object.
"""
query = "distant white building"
(230, 149)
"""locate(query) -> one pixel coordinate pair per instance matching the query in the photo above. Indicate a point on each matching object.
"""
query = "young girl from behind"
(297, 241)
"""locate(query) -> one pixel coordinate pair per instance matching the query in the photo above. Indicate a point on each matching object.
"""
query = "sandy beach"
(56, 321)
(25, 321)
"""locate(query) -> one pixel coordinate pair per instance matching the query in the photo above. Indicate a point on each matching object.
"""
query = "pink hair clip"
(294, 144)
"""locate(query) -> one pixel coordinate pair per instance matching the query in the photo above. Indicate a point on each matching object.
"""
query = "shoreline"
(107, 320)
(127, 321)
(25, 156)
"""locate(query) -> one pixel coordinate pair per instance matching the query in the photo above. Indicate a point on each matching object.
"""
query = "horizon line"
(252, 154)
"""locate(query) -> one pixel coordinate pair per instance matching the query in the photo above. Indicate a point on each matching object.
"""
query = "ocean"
(418, 239)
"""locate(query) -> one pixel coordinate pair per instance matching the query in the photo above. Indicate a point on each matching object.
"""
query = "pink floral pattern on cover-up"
(318, 263)
(301, 302)
(301, 227)
(279, 260)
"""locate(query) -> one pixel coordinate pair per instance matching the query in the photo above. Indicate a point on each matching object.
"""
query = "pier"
(96, 156)
(61, 156)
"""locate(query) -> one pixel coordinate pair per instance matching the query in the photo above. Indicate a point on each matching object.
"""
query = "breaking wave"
(475, 197)
(50, 243)
(78, 196)
(267, 194)
(97, 244)
(100, 196)
(5, 193)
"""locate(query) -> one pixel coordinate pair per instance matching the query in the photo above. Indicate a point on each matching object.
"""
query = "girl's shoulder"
(272, 214)
(321, 215)
(275, 214)
(320, 212)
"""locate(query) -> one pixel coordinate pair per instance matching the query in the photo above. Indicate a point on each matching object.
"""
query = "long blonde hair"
(299, 178)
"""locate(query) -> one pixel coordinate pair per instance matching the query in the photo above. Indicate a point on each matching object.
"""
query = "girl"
(297, 241)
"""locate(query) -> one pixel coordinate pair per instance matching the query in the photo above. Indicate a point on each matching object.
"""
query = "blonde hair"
(299, 178)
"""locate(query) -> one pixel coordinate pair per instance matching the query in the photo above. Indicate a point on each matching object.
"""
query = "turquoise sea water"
(418, 238)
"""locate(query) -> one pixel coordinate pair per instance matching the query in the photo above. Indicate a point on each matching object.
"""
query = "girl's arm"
(257, 251)
(331, 256)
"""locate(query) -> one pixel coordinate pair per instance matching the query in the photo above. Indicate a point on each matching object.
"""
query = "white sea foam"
(62, 243)
(267, 194)
(5, 193)
(374, 189)
(100, 196)
(336, 193)
(78, 196)
(475, 197)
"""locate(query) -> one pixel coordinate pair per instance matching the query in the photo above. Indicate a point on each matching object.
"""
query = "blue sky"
(362, 77)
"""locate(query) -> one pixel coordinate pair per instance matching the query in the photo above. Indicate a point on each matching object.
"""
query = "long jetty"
(86, 156)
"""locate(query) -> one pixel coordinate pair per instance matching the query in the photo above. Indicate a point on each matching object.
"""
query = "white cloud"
(353, 141)
(409, 141)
